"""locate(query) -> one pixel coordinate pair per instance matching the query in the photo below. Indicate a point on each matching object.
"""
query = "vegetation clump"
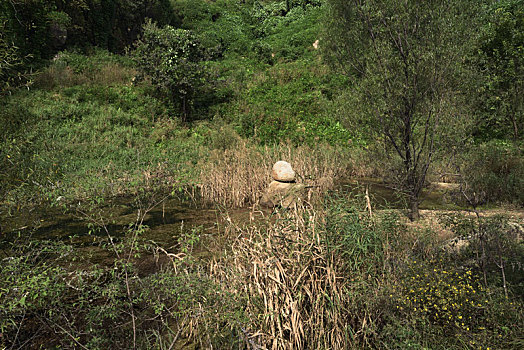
(453, 299)
(172, 58)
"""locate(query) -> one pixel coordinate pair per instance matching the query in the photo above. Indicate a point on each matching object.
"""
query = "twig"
(18, 329)
(70, 335)
(177, 335)
(368, 202)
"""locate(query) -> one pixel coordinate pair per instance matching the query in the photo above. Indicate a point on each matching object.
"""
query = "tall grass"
(69, 68)
(294, 286)
(337, 278)
(238, 176)
(494, 172)
(301, 286)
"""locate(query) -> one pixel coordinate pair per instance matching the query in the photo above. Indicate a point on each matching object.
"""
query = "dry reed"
(294, 284)
(239, 176)
(64, 76)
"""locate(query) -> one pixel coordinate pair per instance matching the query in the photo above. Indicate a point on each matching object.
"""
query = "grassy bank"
(86, 128)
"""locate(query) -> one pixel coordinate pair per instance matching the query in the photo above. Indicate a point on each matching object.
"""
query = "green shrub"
(460, 298)
(172, 58)
(494, 172)
(31, 286)
(50, 298)
(12, 73)
(262, 52)
(221, 136)
(223, 27)
(454, 300)
(446, 307)
(494, 245)
(498, 62)
(191, 14)
(287, 102)
(292, 36)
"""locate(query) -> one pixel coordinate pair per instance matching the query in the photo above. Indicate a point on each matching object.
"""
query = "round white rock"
(282, 171)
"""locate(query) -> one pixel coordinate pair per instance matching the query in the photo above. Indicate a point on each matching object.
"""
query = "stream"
(167, 220)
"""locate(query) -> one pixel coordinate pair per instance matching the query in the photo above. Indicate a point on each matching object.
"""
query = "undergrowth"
(330, 276)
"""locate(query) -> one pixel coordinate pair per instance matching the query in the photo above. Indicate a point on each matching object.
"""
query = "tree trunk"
(515, 127)
(413, 208)
(184, 111)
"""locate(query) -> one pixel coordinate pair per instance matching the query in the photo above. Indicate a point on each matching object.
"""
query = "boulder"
(282, 194)
(283, 172)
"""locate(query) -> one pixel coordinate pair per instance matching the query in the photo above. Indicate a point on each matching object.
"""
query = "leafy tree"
(304, 3)
(27, 24)
(404, 60)
(500, 60)
(11, 63)
(42, 27)
(114, 24)
(173, 59)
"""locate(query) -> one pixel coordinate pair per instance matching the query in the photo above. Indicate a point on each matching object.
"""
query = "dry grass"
(55, 76)
(294, 285)
(113, 73)
(239, 176)
(64, 76)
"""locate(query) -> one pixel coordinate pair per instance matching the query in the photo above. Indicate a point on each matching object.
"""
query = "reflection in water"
(166, 221)
(383, 196)
(164, 225)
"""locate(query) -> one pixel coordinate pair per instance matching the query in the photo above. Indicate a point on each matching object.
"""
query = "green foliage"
(469, 297)
(494, 244)
(51, 298)
(42, 27)
(364, 246)
(12, 73)
(344, 273)
(31, 286)
(291, 37)
(354, 238)
(95, 61)
(261, 30)
(220, 136)
(222, 26)
(493, 172)
(449, 308)
(28, 25)
(172, 58)
(287, 102)
(454, 300)
(88, 132)
(191, 14)
(500, 64)
(70, 68)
